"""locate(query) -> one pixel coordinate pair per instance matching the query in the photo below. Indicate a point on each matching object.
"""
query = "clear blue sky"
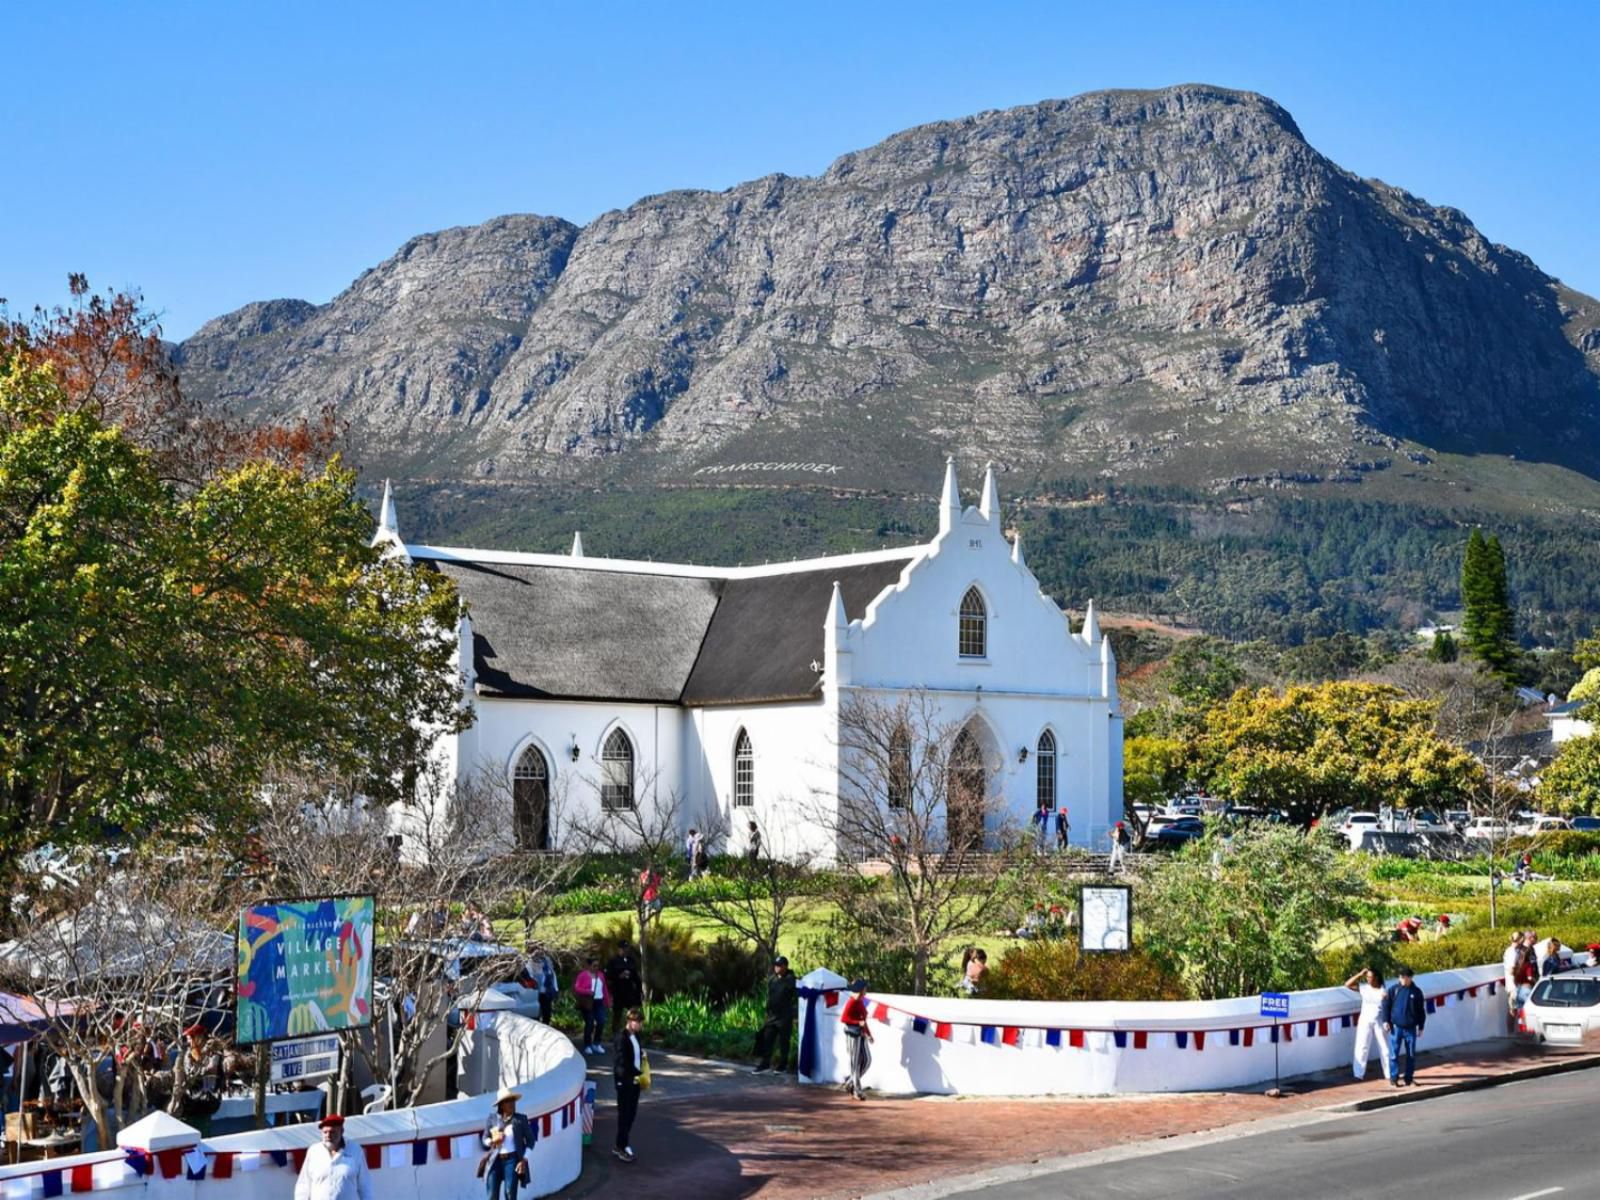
(212, 154)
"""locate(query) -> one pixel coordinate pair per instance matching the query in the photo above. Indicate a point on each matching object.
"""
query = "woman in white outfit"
(1368, 984)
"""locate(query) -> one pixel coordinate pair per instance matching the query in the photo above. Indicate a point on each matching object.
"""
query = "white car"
(1356, 824)
(1487, 829)
(1544, 825)
(1564, 1009)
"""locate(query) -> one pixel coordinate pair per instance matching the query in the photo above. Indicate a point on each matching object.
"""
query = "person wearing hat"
(783, 1002)
(333, 1169)
(507, 1136)
(1121, 840)
(197, 1072)
(1403, 1013)
(858, 1035)
(1063, 829)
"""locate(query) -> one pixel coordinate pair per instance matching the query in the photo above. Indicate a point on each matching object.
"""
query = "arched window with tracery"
(616, 771)
(530, 800)
(744, 771)
(1045, 770)
(900, 767)
(974, 639)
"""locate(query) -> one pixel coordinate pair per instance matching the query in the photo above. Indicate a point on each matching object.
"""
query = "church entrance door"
(530, 801)
(966, 789)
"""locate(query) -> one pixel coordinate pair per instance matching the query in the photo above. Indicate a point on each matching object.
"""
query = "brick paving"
(714, 1131)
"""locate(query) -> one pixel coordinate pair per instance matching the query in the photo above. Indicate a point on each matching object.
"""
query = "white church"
(603, 683)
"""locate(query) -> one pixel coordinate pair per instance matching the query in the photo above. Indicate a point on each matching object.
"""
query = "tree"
(1239, 914)
(165, 645)
(916, 799)
(761, 891)
(1571, 784)
(1443, 648)
(1488, 626)
(1313, 749)
(1152, 770)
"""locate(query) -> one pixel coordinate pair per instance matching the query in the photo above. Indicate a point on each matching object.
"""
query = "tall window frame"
(530, 799)
(899, 780)
(1045, 771)
(744, 771)
(616, 772)
(972, 640)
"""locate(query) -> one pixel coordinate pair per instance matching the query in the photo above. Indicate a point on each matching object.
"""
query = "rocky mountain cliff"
(1166, 286)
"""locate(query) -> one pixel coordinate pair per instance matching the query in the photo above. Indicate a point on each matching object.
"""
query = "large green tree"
(1488, 626)
(1313, 749)
(1571, 784)
(166, 640)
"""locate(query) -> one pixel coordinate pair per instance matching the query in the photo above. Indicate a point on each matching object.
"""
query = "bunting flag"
(1274, 1033)
(1141, 1039)
(399, 1155)
(1322, 1027)
(942, 1031)
(419, 1154)
(1288, 1033)
(564, 1116)
(1120, 1038)
(1344, 1021)
(1052, 1038)
(1430, 1006)
(374, 1153)
(170, 1162)
(1182, 1039)
(1473, 992)
(545, 1122)
(467, 1145)
(1011, 1036)
(249, 1160)
(1492, 985)
(830, 999)
(1075, 1038)
(279, 1158)
(83, 1177)
(52, 1183)
(222, 1165)
(1199, 1039)
(298, 1158)
(880, 1012)
(441, 1146)
(139, 1160)
(919, 1024)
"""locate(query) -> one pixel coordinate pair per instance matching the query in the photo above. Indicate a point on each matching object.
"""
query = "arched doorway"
(966, 790)
(530, 801)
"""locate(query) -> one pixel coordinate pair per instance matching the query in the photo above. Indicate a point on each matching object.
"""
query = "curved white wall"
(536, 1060)
(905, 1061)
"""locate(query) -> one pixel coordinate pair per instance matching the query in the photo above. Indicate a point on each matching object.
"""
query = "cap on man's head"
(331, 1121)
(195, 1029)
(780, 961)
(858, 985)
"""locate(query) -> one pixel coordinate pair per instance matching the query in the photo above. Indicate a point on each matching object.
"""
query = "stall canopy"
(22, 1019)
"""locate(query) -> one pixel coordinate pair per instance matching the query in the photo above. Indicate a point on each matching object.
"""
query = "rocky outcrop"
(1161, 285)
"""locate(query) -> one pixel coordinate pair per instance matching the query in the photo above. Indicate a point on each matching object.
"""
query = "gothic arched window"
(744, 771)
(530, 800)
(1045, 770)
(900, 768)
(616, 767)
(974, 639)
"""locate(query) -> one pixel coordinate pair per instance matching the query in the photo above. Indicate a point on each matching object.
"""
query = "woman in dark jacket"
(627, 1063)
(507, 1137)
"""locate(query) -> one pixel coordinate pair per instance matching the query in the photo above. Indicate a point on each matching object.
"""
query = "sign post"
(1276, 1006)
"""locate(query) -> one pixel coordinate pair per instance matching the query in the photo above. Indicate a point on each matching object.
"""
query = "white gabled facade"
(1034, 677)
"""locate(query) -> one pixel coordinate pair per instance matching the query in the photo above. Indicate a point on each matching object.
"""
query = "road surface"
(1520, 1141)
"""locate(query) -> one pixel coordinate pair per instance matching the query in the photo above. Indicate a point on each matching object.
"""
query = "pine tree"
(1474, 591)
(1488, 627)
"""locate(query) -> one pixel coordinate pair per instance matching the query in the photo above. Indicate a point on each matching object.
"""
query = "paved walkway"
(714, 1131)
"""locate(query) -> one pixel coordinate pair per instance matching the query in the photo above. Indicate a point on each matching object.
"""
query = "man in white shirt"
(333, 1169)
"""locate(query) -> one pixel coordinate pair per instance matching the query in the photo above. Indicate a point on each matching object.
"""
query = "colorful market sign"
(304, 967)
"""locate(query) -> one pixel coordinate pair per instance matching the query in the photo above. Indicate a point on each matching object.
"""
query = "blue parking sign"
(1274, 1004)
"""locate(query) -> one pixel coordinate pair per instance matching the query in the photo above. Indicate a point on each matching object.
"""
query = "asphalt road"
(1516, 1142)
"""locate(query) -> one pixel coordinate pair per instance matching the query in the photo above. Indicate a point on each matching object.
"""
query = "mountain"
(1161, 289)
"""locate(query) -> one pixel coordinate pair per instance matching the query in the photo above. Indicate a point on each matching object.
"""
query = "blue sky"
(213, 154)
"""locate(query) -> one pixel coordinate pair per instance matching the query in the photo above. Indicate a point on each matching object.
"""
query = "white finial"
(1091, 625)
(388, 532)
(989, 505)
(577, 544)
(949, 498)
(835, 653)
(1016, 548)
(1108, 674)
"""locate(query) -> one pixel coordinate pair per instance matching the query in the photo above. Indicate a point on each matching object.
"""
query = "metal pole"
(1276, 1083)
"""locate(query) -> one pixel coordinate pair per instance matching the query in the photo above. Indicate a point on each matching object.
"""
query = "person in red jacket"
(858, 1036)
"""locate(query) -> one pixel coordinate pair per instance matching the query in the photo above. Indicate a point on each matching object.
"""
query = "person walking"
(974, 962)
(1041, 828)
(629, 1072)
(1120, 843)
(1508, 962)
(1403, 1013)
(333, 1169)
(783, 1004)
(589, 990)
(752, 845)
(691, 851)
(539, 976)
(1063, 830)
(1368, 984)
(508, 1136)
(858, 1038)
(622, 982)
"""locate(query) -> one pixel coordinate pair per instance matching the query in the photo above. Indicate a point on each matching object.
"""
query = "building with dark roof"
(599, 685)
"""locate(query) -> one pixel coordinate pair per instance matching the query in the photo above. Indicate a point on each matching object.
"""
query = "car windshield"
(1567, 993)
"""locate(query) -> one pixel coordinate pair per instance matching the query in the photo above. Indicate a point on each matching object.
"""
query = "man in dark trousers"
(1404, 1012)
(782, 1005)
(622, 981)
(627, 1067)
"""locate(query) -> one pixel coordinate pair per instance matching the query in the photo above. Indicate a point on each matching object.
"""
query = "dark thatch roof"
(580, 633)
(768, 631)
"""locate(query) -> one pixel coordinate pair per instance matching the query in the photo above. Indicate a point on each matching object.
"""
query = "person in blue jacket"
(1403, 1013)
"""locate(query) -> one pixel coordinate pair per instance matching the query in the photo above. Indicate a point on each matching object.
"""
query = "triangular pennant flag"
(1311, 1029)
(1322, 1027)
(1430, 1005)
(1250, 1037)
(398, 1154)
(83, 1177)
(545, 1125)
(988, 1036)
(139, 1160)
(441, 1146)
(829, 999)
(222, 1165)
(52, 1183)
(1052, 1037)
(467, 1145)
(1011, 1035)
(942, 1031)
(1141, 1039)
(1120, 1038)
(1344, 1021)
(1075, 1038)
(374, 1153)
(279, 1158)
(170, 1162)
(1274, 1033)
(194, 1164)
(419, 1153)
(1233, 1037)
(1288, 1033)
(919, 1024)
(1182, 1039)
(297, 1156)
(1199, 1039)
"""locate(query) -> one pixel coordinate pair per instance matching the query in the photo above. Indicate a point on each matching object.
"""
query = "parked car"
(1458, 817)
(1179, 832)
(1425, 820)
(1373, 840)
(1544, 825)
(1355, 823)
(1487, 828)
(1587, 824)
(1564, 1010)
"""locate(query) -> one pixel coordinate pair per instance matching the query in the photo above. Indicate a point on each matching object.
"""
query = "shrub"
(679, 964)
(845, 947)
(1565, 843)
(694, 1024)
(1056, 970)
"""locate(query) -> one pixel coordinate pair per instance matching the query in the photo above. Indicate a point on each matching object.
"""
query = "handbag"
(483, 1163)
(644, 1072)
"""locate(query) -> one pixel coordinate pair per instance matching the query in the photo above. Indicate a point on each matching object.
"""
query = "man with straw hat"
(333, 1169)
(507, 1137)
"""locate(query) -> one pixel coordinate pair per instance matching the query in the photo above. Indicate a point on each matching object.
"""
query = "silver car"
(1564, 1010)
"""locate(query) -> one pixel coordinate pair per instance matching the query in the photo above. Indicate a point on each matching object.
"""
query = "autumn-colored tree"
(1313, 749)
(165, 642)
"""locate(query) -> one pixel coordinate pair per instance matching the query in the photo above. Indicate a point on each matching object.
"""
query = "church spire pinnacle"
(949, 498)
(989, 504)
(577, 543)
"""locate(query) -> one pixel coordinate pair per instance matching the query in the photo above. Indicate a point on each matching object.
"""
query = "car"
(1373, 840)
(1587, 824)
(1425, 820)
(1487, 829)
(1179, 832)
(1355, 823)
(1458, 817)
(1564, 1009)
(1544, 825)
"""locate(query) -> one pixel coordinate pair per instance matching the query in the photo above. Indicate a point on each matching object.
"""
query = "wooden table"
(53, 1145)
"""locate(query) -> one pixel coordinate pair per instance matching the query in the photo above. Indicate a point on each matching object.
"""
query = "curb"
(1477, 1083)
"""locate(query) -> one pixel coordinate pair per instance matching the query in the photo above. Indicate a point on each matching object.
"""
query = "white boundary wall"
(905, 1061)
(536, 1060)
